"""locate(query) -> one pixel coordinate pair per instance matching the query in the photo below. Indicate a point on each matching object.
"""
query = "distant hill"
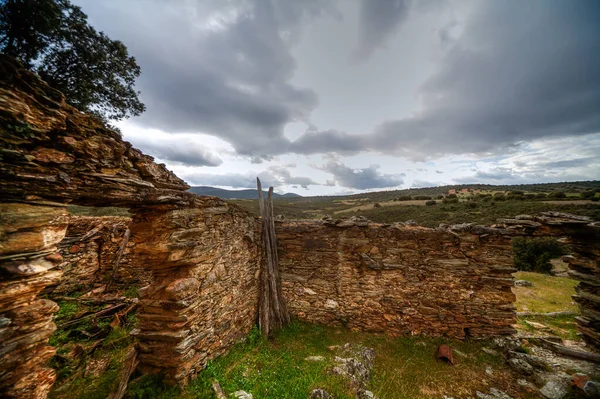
(235, 194)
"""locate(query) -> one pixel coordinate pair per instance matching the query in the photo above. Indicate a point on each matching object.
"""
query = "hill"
(235, 194)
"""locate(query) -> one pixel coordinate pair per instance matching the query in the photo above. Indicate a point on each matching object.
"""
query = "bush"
(472, 204)
(587, 194)
(377, 205)
(595, 199)
(558, 194)
(452, 196)
(431, 202)
(403, 198)
(422, 197)
(450, 200)
(534, 254)
(541, 195)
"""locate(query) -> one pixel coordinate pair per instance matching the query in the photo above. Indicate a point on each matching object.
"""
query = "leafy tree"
(534, 254)
(53, 38)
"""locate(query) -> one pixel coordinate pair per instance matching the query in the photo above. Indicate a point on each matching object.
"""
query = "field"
(481, 212)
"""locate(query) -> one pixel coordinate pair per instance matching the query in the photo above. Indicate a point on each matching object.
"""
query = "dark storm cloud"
(177, 150)
(275, 176)
(377, 21)
(519, 71)
(221, 68)
(360, 179)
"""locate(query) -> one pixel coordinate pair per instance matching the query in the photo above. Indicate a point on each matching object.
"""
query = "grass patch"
(564, 327)
(405, 367)
(548, 294)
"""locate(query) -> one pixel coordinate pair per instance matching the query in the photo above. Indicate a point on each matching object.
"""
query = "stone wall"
(399, 279)
(28, 263)
(89, 251)
(204, 296)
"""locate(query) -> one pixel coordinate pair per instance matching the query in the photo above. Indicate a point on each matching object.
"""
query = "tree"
(53, 38)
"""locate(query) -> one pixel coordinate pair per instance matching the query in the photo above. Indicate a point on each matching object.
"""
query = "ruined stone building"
(199, 258)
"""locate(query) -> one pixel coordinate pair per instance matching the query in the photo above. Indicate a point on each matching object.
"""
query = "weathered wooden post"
(273, 312)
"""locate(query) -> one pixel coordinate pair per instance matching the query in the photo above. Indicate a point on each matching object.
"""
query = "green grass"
(405, 367)
(548, 294)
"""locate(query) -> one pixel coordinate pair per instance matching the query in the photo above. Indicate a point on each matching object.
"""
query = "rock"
(536, 325)
(355, 363)
(330, 304)
(315, 359)
(493, 394)
(320, 394)
(489, 351)
(523, 283)
(557, 387)
(520, 366)
(579, 380)
(365, 394)
(592, 389)
(242, 395)
(489, 370)
(533, 360)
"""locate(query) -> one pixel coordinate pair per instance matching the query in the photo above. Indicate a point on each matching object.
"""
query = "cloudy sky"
(328, 97)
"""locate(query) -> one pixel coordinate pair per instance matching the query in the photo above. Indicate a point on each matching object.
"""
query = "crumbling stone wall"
(399, 279)
(28, 263)
(89, 251)
(204, 297)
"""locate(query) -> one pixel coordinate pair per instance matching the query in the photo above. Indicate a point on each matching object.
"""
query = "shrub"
(431, 202)
(534, 254)
(595, 199)
(587, 194)
(403, 198)
(449, 200)
(541, 195)
(452, 196)
(440, 197)
(377, 205)
(472, 204)
(422, 197)
(558, 194)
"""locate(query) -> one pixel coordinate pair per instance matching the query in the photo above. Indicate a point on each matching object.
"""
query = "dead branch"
(218, 390)
(89, 234)
(118, 258)
(131, 363)
(100, 313)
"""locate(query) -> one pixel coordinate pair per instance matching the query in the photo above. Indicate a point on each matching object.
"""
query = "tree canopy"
(54, 39)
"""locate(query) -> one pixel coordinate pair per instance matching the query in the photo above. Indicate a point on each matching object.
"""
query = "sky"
(324, 97)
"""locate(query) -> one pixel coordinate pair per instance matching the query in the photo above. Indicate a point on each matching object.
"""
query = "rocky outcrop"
(399, 279)
(204, 296)
(51, 151)
(28, 260)
(52, 155)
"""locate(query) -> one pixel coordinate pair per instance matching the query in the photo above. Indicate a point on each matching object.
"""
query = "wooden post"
(273, 312)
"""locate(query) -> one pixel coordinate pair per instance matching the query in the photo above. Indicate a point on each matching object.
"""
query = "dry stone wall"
(204, 296)
(29, 258)
(89, 251)
(399, 279)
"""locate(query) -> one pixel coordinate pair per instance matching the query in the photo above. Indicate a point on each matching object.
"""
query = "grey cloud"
(360, 179)
(231, 79)
(274, 176)
(495, 174)
(319, 142)
(570, 163)
(439, 171)
(378, 20)
(423, 183)
(519, 71)
(178, 150)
